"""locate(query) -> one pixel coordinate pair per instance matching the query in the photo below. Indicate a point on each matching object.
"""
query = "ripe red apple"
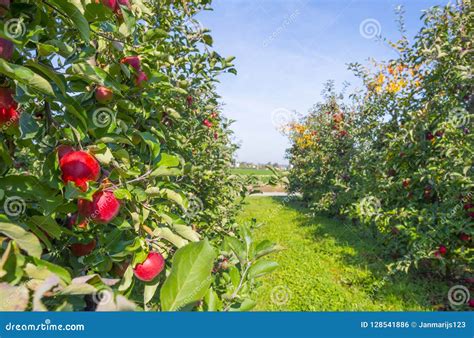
(124, 3)
(216, 135)
(429, 136)
(207, 123)
(103, 94)
(102, 209)
(406, 182)
(442, 250)
(464, 237)
(150, 267)
(343, 133)
(9, 116)
(112, 4)
(338, 117)
(6, 49)
(468, 206)
(141, 78)
(133, 61)
(439, 133)
(189, 100)
(63, 149)
(80, 249)
(79, 167)
(6, 98)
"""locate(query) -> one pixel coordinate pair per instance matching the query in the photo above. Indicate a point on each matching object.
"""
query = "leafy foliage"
(133, 86)
(398, 156)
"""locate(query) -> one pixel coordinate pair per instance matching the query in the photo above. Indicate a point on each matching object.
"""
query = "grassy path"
(328, 266)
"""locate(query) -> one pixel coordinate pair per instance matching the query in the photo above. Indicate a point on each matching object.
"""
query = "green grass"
(250, 171)
(330, 266)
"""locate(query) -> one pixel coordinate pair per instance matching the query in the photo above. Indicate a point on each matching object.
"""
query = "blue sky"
(286, 50)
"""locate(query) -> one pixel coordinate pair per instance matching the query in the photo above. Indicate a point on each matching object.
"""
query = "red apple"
(6, 98)
(406, 182)
(207, 123)
(343, 133)
(112, 4)
(471, 302)
(141, 78)
(63, 150)
(102, 209)
(464, 237)
(80, 249)
(133, 61)
(103, 94)
(6, 49)
(429, 136)
(150, 267)
(338, 117)
(9, 116)
(124, 3)
(442, 250)
(79, 167)
(189, 100)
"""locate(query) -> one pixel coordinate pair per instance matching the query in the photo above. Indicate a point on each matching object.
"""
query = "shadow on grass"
(365, 252)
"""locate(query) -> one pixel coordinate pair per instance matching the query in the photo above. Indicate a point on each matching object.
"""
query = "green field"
(250, 171)
(330, 266)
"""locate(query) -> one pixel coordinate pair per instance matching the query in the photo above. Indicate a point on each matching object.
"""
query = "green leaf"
(25, 240)
(28, 126)
(190, 276)
(261, 268)
(238, 248)
(149, 291)
(49, 73)
(26, 76)
(75, 15)
(266, 247)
